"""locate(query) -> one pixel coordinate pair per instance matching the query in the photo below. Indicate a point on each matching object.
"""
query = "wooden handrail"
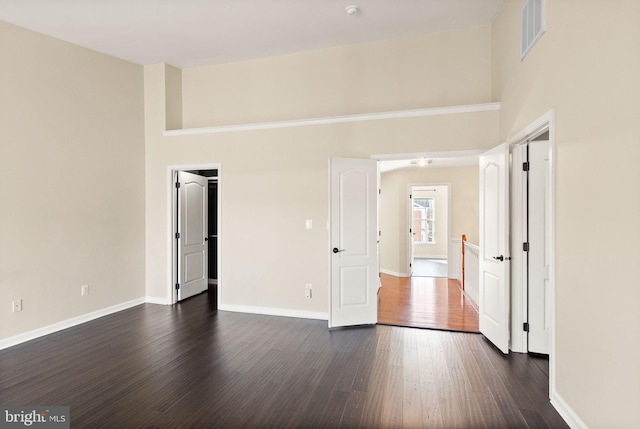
(464, 238)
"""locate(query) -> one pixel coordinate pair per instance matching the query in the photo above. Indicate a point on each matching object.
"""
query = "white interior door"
(353, 229)
(494, 251)
(193, 234)
(539, 221)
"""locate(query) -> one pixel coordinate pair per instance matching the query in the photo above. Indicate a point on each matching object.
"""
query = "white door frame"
(519, 302)
(193, 215)
(409, 236)
(172, 207)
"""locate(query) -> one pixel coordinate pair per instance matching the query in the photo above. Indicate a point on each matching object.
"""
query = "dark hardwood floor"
(425, 302)
(189, 366)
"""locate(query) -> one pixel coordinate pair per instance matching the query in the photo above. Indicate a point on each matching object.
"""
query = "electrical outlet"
(84, 290)
(16, 305)
(307, 290)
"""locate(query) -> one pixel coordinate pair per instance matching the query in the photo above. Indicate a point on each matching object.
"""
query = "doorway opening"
(194, 232)
(421, 281)
(532, 302)
(532, 238)
(429, 231)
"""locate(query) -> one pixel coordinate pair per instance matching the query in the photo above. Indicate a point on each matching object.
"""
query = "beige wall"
(435, 70)
(393, 208)
(72, 185)
(285, 171)
(587, 67)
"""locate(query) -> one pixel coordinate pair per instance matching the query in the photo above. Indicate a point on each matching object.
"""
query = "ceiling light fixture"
(352, 10)
(423, 162)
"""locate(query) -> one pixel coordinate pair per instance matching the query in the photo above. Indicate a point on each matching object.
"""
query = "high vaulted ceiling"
(187, 33)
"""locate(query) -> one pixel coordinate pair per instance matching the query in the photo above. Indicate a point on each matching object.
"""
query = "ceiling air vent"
(532, 25)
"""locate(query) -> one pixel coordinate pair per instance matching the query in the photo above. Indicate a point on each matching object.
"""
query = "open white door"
(539, 314)
(353, 298)
(192, 234)
(494, 250)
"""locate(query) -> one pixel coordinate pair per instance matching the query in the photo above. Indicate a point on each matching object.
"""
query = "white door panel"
(494, 252)
(539, 316)
(193, 229)
(353, 229)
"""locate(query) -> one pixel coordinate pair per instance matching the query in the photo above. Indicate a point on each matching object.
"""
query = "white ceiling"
(187, 33)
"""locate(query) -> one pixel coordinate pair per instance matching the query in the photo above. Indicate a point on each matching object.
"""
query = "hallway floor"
(425, 302)
(425, 267)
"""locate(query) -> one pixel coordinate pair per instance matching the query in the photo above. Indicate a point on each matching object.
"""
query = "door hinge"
(526, 166)
(177, 286)
(409, 264)
(177, 235)
(525, 247)
(379, 191)
(525, 327)
(409, 196)
(410, 231)
(177, 184)
(379, 233)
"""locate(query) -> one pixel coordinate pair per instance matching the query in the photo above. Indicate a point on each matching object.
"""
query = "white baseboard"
(270, 311)
(432, 257)
(59, 326)
(157, 300)
(566, 412)
(393, 273)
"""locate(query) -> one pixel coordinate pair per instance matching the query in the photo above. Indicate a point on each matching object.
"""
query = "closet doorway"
(180, 267)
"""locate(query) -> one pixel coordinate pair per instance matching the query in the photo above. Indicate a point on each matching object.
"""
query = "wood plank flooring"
(425, 302)
(189, 366)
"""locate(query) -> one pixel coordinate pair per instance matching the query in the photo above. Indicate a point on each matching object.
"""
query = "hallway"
(426, 267)
(425, 302)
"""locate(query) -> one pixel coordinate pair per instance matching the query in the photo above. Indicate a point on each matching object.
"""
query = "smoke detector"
(352, 10)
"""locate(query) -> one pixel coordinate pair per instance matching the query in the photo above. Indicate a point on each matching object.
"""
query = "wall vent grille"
(532, 25)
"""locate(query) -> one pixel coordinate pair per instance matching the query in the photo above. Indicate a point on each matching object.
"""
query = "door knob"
(499, 258)
(336, 250)
(206, 239)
